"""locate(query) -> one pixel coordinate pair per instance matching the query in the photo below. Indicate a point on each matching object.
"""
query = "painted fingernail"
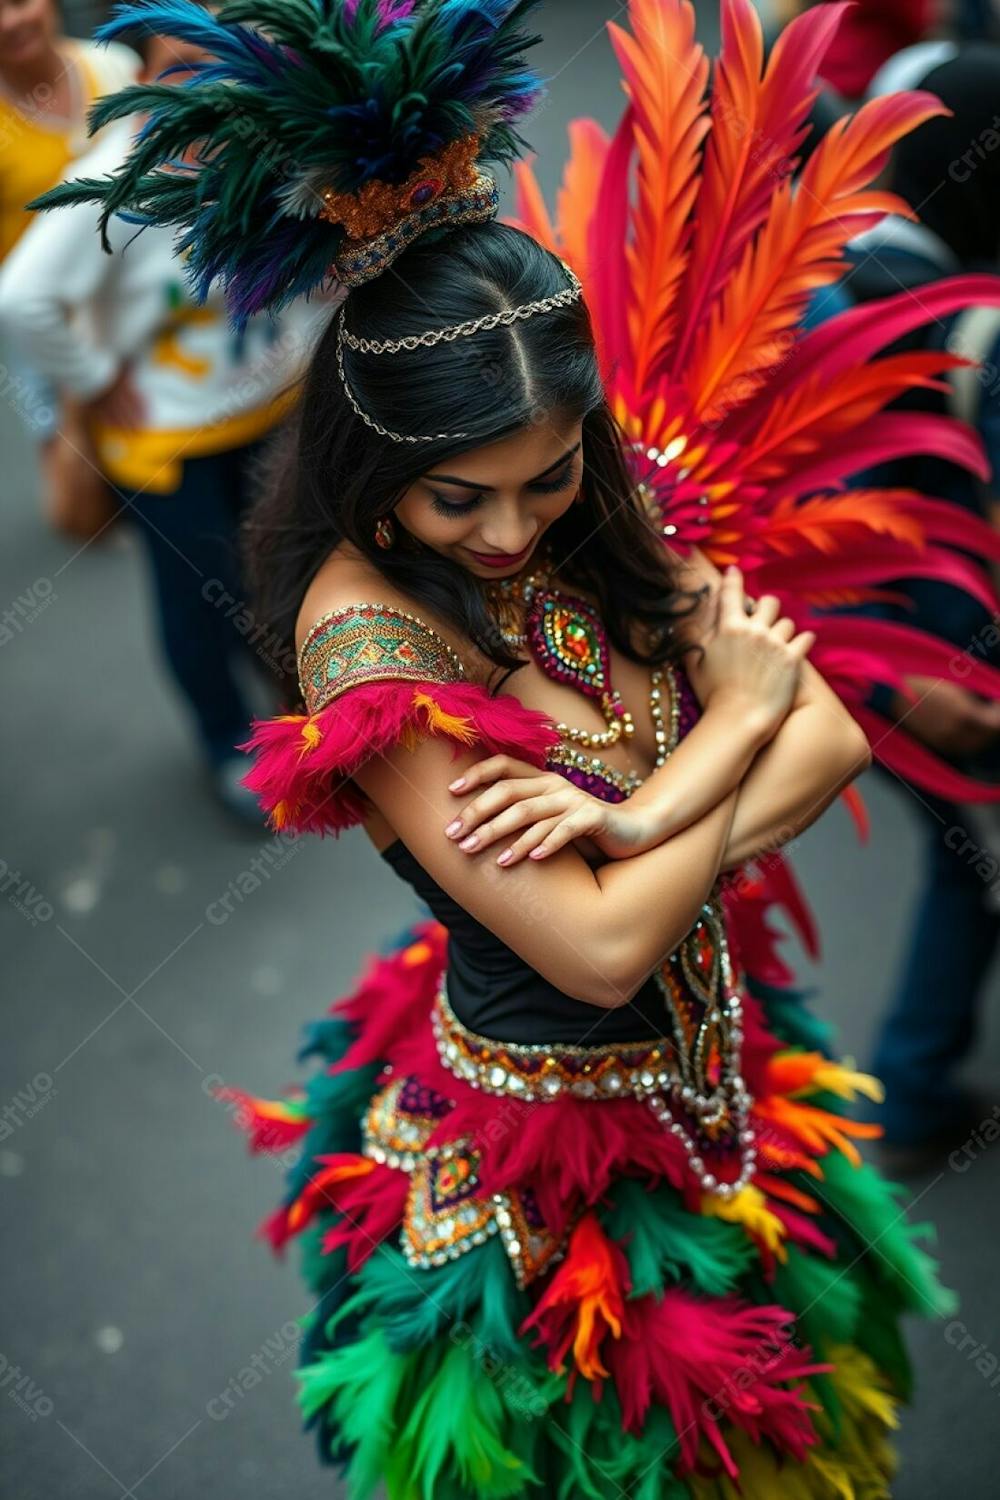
(456, 786)
(502, 859)
(538, 853)
(453, 828)
(470, 842)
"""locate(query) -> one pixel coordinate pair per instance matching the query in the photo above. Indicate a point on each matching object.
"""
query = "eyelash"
(541, 487)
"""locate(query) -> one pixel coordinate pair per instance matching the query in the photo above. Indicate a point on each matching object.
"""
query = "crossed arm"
(598, 933)
(783, 780)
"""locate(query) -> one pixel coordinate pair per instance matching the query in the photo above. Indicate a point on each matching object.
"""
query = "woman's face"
(488, 509)
(27, 29)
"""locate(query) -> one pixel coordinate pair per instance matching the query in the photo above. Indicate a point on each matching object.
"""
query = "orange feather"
(665, 76)
(798, 249)
(758, 124)
(820, 409)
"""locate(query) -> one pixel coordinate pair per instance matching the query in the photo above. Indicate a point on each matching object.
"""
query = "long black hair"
(335, 476)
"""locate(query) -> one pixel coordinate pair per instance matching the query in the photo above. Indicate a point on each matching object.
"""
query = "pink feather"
(712, 1363)
(303, 766)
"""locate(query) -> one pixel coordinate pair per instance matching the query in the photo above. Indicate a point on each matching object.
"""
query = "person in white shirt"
(178, 405)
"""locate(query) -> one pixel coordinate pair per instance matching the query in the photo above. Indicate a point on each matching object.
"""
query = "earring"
(385, 533)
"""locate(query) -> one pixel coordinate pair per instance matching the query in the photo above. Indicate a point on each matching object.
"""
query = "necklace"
(566, 638)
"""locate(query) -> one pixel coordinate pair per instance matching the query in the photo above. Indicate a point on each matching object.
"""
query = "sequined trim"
(371, 643)
(365, 259)
(548, 1070)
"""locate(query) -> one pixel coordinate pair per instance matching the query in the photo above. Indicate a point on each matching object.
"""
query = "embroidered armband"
(364, 643)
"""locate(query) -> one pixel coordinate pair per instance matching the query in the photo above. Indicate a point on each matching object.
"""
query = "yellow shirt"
(35, 151)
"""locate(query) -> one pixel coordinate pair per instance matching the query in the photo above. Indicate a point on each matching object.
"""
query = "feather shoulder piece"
(372, 678)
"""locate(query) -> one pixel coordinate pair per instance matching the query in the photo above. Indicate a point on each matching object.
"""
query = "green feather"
(598, 1459)
(361, 1382)
(869, 1207)
(473, 1296)
(319, 1270)
(664, 1242)
(790, 1018)
(824, 1296)
(455, 1441)
(880, 1337)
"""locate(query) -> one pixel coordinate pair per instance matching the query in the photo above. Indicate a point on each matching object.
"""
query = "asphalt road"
(135, 1295)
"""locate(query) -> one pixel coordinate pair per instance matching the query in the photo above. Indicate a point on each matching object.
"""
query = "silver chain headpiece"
(435, 336)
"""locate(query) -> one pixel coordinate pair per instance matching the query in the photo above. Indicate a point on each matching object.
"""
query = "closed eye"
(549, 486)
(445, 507)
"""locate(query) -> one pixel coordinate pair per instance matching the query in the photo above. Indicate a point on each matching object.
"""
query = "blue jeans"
(931, 1023)
(191, 541)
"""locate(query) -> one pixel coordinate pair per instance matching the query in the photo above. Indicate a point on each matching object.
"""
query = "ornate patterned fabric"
(362, 643)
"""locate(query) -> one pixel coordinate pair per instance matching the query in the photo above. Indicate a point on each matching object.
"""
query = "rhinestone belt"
(544, 1072)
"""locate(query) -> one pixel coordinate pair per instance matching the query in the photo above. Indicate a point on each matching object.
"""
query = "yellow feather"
(846, 1082)
(749, 1208)
(453, 725)
(311, 735)
(860, 1387)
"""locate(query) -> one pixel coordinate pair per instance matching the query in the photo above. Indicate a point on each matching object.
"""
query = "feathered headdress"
(318, 138)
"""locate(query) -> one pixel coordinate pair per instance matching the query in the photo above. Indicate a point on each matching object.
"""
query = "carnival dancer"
(582, 1203)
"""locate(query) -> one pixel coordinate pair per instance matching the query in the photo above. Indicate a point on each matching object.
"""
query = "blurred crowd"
(148, 410)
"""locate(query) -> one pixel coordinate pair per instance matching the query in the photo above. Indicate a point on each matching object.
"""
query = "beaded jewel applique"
(370, 643)
(707, 1105)
(399, 1122)
(446, 1211)
(447, 1214)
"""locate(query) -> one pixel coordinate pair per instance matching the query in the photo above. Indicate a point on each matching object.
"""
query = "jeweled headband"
(436, 336)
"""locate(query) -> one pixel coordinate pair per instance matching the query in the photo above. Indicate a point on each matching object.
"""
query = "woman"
(582, 1206)
(417, 581)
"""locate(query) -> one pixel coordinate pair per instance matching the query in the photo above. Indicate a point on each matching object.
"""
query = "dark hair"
(334, 476)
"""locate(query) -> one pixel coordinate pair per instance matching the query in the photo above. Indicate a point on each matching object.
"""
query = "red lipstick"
(500, 559)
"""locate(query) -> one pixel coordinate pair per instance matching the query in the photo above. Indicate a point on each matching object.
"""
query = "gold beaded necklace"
(569, 642)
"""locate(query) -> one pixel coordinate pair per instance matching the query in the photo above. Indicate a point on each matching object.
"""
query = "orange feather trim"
(817, 1129)
(583, 1303)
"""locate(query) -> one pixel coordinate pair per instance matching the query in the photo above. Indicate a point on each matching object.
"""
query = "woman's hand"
(541, 809)
(750, 661)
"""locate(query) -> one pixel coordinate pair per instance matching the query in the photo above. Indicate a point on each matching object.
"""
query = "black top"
(494, 992)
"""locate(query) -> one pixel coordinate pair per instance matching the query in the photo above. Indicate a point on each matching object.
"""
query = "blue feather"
(346, 91)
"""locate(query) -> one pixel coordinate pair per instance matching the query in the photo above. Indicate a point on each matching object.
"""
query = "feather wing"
(798, 250)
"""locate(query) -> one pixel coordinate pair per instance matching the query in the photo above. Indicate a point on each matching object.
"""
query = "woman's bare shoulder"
(348, 582)
(346, 578)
